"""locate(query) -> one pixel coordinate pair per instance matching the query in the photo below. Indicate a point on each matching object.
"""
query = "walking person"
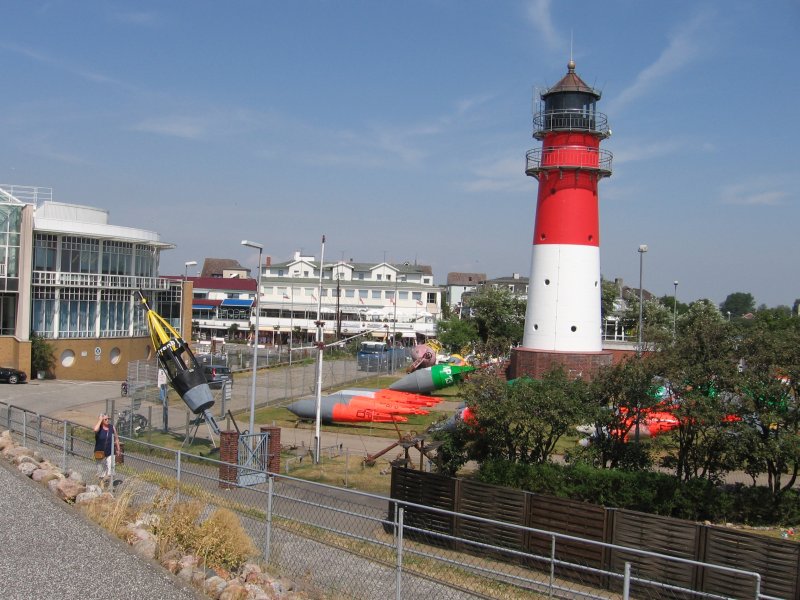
(106, 446)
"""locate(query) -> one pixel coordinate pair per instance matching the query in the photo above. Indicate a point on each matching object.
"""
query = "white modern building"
(70, 276)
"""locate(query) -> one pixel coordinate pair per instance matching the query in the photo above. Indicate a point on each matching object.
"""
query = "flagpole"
(320, 352)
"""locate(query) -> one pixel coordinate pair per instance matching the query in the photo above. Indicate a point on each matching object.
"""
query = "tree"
(498, 314)
(42, 355)
(768, 392)
(700, 368)
(738, 304)
(455, 333)
(608, 298)
(521, 421)
(621, 393)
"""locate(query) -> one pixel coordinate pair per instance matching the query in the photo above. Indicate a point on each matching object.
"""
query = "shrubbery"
(649, 492)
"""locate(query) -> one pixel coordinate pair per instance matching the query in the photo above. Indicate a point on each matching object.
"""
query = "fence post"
(626, 583)
(399, 566)
(178, 473)
(346, 465)
(39, 429)
(552, 566)
(268, 532)
(64, 446)
(24, 427)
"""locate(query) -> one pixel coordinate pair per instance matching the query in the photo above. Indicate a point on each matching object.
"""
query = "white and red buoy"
(562, 322)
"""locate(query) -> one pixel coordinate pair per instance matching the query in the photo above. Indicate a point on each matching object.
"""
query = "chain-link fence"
(358, 545)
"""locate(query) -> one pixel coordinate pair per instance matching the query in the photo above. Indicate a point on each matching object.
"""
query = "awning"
(236, 303)
(202, 307)
(378, 334)
(409, 334)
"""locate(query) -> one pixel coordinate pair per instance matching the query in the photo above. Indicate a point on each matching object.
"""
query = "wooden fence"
(777, 561)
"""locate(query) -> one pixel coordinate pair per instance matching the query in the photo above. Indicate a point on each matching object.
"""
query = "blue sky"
(399, 129)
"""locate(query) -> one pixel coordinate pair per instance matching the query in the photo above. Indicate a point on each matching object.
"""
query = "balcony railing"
(569, 120)
(95, 280)
(568, 157)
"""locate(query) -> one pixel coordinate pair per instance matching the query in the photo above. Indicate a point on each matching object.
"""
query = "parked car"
(217, 375)
(10, 375)
(378, 356)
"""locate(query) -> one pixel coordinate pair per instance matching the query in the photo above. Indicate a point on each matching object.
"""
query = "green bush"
(648, 491)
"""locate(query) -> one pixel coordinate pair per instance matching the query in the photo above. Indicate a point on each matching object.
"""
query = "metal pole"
(674, 308)
(639, 347)
(320, 353)
(626, 585)
(552, 566)
(399, 565)
(64, 446)
(178, 474)
(268, 532)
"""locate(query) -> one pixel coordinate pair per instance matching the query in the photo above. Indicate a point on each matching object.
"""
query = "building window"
(115, 313)
(390, 295)
(45, 248)
(376, 294)
(416, 296)
(79, 255)
(117, 258)
(426, 280)
(402, 295)
(379, 276)
(77, 313)
(350, 293)
(8, 314)
(44, 310)
(146, 261)
(363, 293)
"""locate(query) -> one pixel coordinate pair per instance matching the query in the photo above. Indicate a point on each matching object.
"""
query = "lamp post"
(260, 249)
(186, 265)
(674, 308)
(642, 250)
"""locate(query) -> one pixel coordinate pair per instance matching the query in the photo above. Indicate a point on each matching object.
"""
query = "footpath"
(45, 555)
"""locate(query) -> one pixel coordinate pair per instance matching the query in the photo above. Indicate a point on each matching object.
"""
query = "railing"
(332, 537)
(568, 157)
(27, 193)
(101, 281)
(569, 120)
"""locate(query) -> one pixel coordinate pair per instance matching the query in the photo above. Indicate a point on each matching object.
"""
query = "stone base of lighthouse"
(535, 363)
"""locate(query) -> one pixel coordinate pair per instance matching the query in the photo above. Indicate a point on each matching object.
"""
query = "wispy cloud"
(762, 192)
(505, 175)
(205, 124)
(64, 66)
(43, 147)
(633, 151)
(539, 15)
(682, 49)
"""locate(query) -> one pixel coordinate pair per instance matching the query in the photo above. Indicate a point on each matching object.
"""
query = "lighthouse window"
(573, 328)
(547, 282)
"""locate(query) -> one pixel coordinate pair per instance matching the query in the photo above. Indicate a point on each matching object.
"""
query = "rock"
(75, 476)
(37, 456)
(24, 458)
(185, 573)
(145, 548)
(6, 443)
(278, 587)
(255, 592)
(68, 489)
(27, 469)
(138, 533)
(86, 497)
(190, 560)
(233, 591)
(93, 487)
(198, 577)
(11, 453)
(214, 586)
(52, 484)
(148, 520)
(45, 475)
(251, 573)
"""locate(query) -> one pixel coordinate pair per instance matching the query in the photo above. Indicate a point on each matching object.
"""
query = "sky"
(399, 129)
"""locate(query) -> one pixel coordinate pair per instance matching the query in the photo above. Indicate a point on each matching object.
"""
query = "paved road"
(49, 550)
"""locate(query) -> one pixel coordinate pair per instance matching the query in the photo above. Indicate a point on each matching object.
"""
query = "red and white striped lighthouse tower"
(562, 323)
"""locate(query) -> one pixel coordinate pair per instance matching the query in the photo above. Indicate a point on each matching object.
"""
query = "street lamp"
(260, 249)
(186, 265)
(642, 250)
(674, 308)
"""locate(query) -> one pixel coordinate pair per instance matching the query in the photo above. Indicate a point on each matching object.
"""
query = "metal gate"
(253, 458)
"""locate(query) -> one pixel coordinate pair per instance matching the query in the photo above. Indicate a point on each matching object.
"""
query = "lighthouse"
(562, 322)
